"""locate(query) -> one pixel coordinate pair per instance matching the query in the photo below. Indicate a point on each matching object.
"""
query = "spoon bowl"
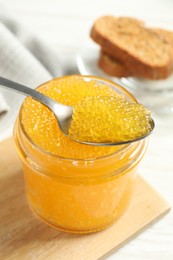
(62, 112)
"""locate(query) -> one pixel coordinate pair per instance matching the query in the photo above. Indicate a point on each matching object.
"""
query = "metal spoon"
(62, 112)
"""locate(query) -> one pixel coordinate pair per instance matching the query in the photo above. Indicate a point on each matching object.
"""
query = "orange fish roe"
(109, 119)
(41, 126)
(74, 187)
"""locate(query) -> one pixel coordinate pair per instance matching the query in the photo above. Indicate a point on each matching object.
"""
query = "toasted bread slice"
(111, 66)
(141, 50)
(164, 34)
(115, 68)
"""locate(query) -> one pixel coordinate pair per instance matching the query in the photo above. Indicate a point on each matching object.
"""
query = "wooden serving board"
(23, 236)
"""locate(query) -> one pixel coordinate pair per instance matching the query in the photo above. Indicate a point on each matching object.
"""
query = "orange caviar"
(109, 119)
(41, 125)
(74, 187)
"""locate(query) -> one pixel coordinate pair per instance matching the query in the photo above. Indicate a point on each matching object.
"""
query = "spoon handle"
(58, 109)
(23, 90)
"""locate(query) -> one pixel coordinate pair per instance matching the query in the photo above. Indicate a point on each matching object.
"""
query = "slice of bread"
(141, 50)
(111, 66)
(116, 68)
(164, 35)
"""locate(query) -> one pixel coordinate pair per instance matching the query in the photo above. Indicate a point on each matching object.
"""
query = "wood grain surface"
(23, 236)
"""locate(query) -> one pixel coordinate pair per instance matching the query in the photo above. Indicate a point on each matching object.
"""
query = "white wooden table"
(65, 26)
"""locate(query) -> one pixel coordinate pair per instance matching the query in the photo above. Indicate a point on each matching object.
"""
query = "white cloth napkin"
(25, 59)
(3, 105)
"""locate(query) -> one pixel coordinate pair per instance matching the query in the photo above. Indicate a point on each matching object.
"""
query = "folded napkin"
(25, 59)
(3, 105)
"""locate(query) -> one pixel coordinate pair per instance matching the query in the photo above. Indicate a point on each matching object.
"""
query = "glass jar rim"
(123, 148)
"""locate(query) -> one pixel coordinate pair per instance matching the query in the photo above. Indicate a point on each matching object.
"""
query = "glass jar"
(78, 195)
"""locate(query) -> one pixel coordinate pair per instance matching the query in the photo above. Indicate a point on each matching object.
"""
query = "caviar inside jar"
(41, 125)
(73, 187)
